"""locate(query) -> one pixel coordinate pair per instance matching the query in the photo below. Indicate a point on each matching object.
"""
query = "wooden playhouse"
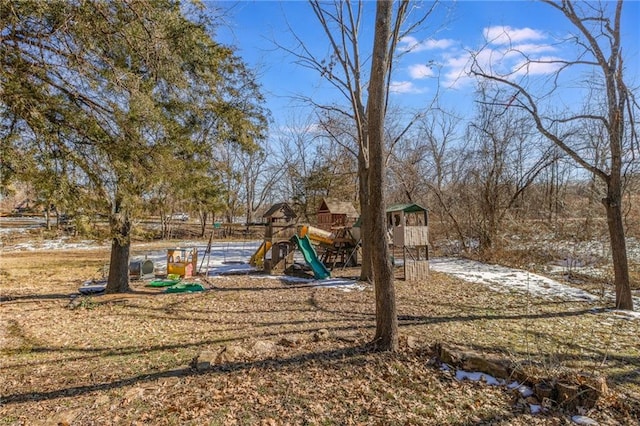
(409, 238)
(277, 247)
(333, 213)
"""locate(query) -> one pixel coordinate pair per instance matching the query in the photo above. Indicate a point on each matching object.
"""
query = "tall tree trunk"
(613, 205)
(118, 281)
(203, 223)
(386, 336)
(366, 272)
(47, 216)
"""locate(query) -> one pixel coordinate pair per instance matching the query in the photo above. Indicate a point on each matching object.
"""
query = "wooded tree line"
(499, 157)
(132, 108)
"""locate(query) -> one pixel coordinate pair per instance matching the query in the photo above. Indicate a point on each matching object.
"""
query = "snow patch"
(524, 390)
(477, 376)
(584, 421)
(502, 279)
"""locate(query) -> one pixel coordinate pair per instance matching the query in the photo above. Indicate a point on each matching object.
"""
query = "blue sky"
(253, 26)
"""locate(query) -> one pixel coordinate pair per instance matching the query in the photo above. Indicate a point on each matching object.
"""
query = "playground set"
(283, 235)
(336, 239)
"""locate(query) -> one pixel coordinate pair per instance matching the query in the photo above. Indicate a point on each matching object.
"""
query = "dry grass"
(124, 359)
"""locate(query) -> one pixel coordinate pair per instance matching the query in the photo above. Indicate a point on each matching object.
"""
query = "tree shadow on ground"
(100, 352)
(421, 319)
(7, 298)
(230, 367)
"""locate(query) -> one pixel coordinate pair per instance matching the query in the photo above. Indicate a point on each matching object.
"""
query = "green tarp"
(163, 283)
(184, 288)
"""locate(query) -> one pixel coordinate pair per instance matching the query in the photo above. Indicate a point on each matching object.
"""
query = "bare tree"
(598, 41)
(295, 152)
(344, 70)
(507, 158)
(260, 171)
(228, 161)
(386, 317)
(444, 167)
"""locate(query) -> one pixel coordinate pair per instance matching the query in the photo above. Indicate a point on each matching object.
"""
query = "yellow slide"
(258, 257)
(315, 234)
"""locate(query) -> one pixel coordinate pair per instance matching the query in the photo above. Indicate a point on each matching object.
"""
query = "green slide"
(320, 272)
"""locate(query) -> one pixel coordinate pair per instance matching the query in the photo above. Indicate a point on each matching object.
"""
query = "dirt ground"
(259, 350)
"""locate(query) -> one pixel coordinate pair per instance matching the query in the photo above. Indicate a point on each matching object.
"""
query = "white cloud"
(456, 74)
(530, 48)
(510, 52)
(540, 66)
(404, 87)
(419, 71)
(411, 44)
(504, 61)
(502, 35)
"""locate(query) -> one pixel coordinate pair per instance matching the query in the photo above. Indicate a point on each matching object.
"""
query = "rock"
(479, 363)
(320, 335)
(543, 391)
(263, 347)
(204, 360)
(567, 395)
(290, 342)
(231, 353)
(448, 355)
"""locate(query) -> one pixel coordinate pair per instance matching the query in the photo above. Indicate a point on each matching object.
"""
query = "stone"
(290, 342)
(320, 335)
(231, 353)
(567, 395)
(447, 355)
(479, 363)
(263, 347)
(204, 360)
(543, 391)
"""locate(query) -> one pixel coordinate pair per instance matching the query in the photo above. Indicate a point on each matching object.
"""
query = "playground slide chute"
(316, 235)
(258, 257)
(320, 272)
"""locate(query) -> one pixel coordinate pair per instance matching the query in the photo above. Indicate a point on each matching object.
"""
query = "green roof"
(407, 208)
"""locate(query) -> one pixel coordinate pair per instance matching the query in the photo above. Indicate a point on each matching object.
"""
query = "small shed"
(334, 213)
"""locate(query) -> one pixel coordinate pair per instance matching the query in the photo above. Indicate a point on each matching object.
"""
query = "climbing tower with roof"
(409, 238)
